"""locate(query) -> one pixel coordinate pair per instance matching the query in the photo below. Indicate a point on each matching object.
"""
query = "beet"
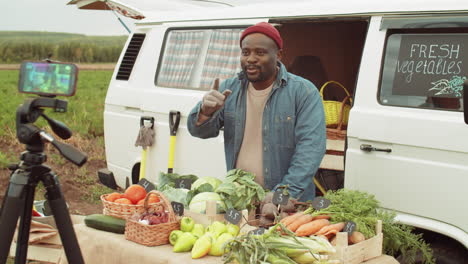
(289, 207)
(264, 221)
(270, 211)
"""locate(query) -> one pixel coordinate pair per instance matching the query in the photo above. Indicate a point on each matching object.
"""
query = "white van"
(403, 62)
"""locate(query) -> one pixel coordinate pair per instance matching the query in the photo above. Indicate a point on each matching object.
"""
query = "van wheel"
(444, 253)
(136, 173)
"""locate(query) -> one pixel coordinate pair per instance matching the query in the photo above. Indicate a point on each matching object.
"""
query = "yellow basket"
(334, 109)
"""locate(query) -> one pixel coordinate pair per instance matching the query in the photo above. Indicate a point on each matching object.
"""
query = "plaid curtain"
(183, 49)
(223, 57)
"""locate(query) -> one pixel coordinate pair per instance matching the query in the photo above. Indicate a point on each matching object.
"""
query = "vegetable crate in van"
(363, 252)
(211, 215)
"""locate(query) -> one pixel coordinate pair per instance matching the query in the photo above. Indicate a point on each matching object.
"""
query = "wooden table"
(109, 248)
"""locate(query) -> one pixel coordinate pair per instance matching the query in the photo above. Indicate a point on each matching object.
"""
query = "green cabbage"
(198, 202)
(214, 182)
(175, 195)
(170, 178)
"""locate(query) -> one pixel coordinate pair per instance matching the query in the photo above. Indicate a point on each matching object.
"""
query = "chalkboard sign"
(178, 208)
(432, 65)
(183, 183)
(279, 197)
(349, 227)
(232, 216)
(320, 203)
(147, 185)
(258, 231)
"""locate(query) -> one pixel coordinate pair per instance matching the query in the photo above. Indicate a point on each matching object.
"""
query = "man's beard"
(258, 78)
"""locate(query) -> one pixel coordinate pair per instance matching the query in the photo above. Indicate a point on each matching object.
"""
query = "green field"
(85, 109)
(84, 117)
(57, 38)
(16, 46)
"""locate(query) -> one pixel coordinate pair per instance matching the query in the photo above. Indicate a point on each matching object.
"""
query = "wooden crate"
(384, 259)
(363, 251)
(211, 215)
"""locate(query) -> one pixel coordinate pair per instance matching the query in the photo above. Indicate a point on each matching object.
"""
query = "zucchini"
(105, 223)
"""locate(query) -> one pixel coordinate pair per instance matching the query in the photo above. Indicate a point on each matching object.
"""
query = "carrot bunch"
(306, 224)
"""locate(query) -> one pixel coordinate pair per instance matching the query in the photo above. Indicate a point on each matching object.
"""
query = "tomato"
(135, 193)
(113, 196)
(123, 201)
(152, 199)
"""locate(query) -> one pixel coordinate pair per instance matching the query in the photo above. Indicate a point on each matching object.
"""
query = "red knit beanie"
(266, 29)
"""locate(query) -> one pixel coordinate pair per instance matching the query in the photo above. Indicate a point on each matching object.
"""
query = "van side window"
(424, 70)
(192, 59)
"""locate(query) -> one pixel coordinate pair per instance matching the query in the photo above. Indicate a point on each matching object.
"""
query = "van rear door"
(407, 141)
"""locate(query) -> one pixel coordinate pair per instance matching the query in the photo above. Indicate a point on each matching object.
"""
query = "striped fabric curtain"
(223, 57)
(180, 56)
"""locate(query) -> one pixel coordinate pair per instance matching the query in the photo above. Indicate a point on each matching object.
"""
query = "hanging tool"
(173, 126)
(145, 139)
(319, 186)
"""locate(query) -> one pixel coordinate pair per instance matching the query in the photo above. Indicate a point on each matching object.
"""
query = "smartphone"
(48, 79)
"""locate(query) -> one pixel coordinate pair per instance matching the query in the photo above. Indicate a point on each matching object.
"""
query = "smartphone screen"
(45, 78)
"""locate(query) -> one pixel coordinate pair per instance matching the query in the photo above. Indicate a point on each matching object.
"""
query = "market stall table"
(105, 247)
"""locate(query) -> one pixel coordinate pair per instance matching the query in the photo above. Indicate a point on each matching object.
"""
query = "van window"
(424, 70)
(192, 59)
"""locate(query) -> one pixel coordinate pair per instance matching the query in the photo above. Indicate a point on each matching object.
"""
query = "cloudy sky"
(57, 16)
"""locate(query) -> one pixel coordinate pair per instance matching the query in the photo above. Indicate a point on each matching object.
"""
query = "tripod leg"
(25, 225)
(62, 219)
(13, 168)
(11, 210)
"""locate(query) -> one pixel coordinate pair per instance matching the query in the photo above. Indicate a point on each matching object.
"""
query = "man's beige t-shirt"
(250, 155)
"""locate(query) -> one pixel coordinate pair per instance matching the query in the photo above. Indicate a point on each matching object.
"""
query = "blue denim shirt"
(294, 134)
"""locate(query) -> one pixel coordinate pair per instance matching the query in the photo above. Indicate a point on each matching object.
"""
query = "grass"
(58, 37)
(84, 115)
(93, 196)
(5, 159)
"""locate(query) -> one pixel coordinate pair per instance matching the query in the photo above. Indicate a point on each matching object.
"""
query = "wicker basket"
(339, 132)
(152, 235)
(336, 111)
(119, 210)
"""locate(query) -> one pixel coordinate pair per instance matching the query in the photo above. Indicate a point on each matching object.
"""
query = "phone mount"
(19, 198)
(29, 134)
(48, 78)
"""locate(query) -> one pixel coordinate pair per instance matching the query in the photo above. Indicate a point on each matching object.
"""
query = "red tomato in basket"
(123, 201)
(151, 199)
(135, 193)
(113, 196)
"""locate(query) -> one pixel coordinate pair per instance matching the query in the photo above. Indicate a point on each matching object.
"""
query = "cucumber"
(105, 223)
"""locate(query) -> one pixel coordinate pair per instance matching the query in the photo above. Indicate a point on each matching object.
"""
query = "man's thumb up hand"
(213, 100)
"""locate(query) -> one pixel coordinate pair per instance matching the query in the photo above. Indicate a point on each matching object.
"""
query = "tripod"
(19, 197)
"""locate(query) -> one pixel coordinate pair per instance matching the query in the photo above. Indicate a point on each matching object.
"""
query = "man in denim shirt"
(274, 124)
